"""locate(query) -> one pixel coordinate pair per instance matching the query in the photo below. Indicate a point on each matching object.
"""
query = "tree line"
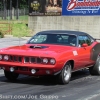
(8, 4)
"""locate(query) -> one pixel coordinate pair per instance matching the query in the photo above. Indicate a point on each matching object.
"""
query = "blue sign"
(81, 7)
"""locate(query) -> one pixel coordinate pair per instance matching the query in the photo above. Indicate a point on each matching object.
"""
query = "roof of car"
(63, 31)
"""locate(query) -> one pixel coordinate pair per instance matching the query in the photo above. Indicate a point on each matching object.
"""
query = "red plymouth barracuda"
(57, 53)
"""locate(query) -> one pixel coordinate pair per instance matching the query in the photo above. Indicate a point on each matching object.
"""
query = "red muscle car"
(57, 53)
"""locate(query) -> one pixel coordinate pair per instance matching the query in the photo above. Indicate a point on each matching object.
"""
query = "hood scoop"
(38, 47)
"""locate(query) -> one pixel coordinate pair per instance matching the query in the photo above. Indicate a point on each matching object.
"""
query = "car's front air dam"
(29, 71)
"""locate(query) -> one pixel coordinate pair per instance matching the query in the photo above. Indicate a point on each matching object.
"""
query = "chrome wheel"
(67, 72)
(99, 64)
(65, 75)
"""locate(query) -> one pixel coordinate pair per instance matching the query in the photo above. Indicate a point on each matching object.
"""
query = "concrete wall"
(89, 24)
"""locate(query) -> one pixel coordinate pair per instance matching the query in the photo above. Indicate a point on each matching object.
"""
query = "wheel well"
(71, 62)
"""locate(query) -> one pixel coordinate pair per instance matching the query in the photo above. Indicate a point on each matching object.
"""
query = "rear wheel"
(65, 75)
(95, 70)
(10, 75)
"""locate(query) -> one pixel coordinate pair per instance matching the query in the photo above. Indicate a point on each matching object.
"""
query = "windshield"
(59, 39)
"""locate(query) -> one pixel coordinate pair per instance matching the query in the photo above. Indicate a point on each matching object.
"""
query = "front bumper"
(25, 68)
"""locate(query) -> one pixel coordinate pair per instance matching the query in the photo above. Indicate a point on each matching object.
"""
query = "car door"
(84, 52)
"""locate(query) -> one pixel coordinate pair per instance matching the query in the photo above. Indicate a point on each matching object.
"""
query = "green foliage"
(19, 27)
(1, 6)
(23, 4)
(20, 30)
(1, 34)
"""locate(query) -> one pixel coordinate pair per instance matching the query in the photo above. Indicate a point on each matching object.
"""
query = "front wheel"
(10, 75)
(95, 70)
(65, 75)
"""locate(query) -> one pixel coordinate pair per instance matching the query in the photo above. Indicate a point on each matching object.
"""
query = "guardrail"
(6, 28)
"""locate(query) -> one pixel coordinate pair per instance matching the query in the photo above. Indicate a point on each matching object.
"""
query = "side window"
(62, 38)
(81, 40)
(87, 40)
(84, 39)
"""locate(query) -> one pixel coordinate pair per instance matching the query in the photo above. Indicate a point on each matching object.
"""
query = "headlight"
(52, 61)
(0, 57)
(6, 57)
(45, 60)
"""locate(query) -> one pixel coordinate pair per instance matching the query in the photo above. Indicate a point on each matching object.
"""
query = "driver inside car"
(72, 40)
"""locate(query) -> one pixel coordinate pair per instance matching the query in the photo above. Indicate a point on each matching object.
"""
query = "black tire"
(10, 75)
(95, 70)
(65, 75)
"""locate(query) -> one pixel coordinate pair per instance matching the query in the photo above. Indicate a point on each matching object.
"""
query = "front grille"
(23, 68)
(26, 59)
(32, 60)
(13, 58)
(21, 59)
(38, 60)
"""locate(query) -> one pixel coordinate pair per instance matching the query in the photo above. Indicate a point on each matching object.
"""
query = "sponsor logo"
(83, 5)
(35, 5)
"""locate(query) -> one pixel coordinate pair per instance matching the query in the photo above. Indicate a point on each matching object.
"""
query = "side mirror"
(84, 45)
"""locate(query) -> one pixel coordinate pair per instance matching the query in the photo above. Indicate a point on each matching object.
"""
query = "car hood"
(37, 50)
